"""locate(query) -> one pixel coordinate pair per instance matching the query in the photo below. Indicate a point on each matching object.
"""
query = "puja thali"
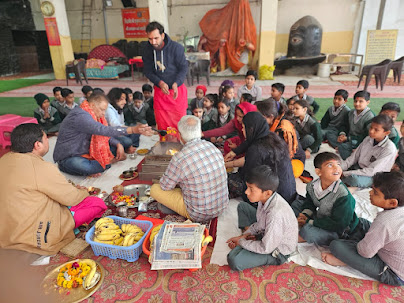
(131, 196)
(69, 295)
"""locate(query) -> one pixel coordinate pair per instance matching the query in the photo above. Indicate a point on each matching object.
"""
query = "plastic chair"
(397, 67)
(190, 79)
(201, 68)
(379, 70)
(77, 67)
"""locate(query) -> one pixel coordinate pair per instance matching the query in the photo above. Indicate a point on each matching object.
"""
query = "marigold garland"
(71, 275)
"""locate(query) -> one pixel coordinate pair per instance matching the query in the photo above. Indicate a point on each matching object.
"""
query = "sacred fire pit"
(155, 163)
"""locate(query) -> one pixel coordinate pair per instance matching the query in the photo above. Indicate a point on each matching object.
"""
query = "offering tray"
(143, 189)
(72, 295)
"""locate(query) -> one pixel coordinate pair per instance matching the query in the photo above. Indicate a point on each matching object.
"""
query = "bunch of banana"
(206, 240)
(107, 232)
(154, 232)
(90, 277)
(132, 233)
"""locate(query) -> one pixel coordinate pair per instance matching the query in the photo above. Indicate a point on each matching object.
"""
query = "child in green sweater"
(335, 119)
(308, 128)
(358, 127)
(47, 116)
(301, 89)
(328, 211)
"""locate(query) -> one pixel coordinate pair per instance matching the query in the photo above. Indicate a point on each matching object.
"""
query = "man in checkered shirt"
(198, 168)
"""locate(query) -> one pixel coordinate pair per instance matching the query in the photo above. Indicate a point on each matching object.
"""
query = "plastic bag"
(266, 72)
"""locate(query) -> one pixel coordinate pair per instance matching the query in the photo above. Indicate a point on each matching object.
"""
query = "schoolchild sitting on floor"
(301, 89)
(271, 229)
(246, 97)
(308, 128)
(279, 124)
(224, 116)
(228, 94)
(277, 90)
(58, 100)
(399, 164)
(137, 112)
(129, 96)
(47, 116)
(87, 91)
(335, 119)
(290, 104)
(328, 211)
(375, 154)
(209, 108)
(379, 254)
(115, 117)
(392, 110)
(68, 96)
(235, 125)
(358, 127)
(197, 111)
(200, 93)
(147, 91)
(250, 87)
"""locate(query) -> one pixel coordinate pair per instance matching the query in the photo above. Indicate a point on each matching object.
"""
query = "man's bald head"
(190, 128)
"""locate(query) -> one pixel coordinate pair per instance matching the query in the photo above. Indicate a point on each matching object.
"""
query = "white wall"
(393, 18)
(333, 15)
(184, 15)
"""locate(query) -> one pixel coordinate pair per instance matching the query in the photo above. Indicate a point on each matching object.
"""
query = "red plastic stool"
(7, 127)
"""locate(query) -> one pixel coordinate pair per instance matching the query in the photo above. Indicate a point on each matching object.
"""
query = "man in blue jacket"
(165, 65)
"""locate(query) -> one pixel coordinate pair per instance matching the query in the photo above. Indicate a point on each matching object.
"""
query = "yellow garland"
(76, 274)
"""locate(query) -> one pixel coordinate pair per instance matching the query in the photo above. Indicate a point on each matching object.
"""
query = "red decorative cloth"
(167, 110)
(234, 24)
(99, 145)
(105, 51)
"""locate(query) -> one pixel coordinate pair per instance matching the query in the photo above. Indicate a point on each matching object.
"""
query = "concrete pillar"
(158, 11)
(61, 52)
(269, 16)
(369, 22)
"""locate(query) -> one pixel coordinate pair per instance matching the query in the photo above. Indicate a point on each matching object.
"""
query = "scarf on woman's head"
(245, 107)
(99, 145)
(256, 127)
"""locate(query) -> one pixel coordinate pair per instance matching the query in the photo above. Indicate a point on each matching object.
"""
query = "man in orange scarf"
(83, 144)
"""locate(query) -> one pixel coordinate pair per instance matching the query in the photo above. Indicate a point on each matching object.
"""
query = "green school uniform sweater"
(49, 122)
(359, 130)
(313, 128)
(334, 212)
(394, 136)
(339, 122)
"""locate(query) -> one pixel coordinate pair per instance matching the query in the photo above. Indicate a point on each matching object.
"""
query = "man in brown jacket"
(35, 196)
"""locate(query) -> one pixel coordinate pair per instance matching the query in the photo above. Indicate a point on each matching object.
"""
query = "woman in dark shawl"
(264, 148)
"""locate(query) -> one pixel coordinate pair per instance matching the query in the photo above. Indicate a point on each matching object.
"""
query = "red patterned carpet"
(135, 282)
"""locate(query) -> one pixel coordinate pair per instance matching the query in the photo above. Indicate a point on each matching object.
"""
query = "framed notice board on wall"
(380, 45)
(135, 21)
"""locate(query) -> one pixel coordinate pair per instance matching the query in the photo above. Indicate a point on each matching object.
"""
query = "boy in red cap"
(200, 92)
